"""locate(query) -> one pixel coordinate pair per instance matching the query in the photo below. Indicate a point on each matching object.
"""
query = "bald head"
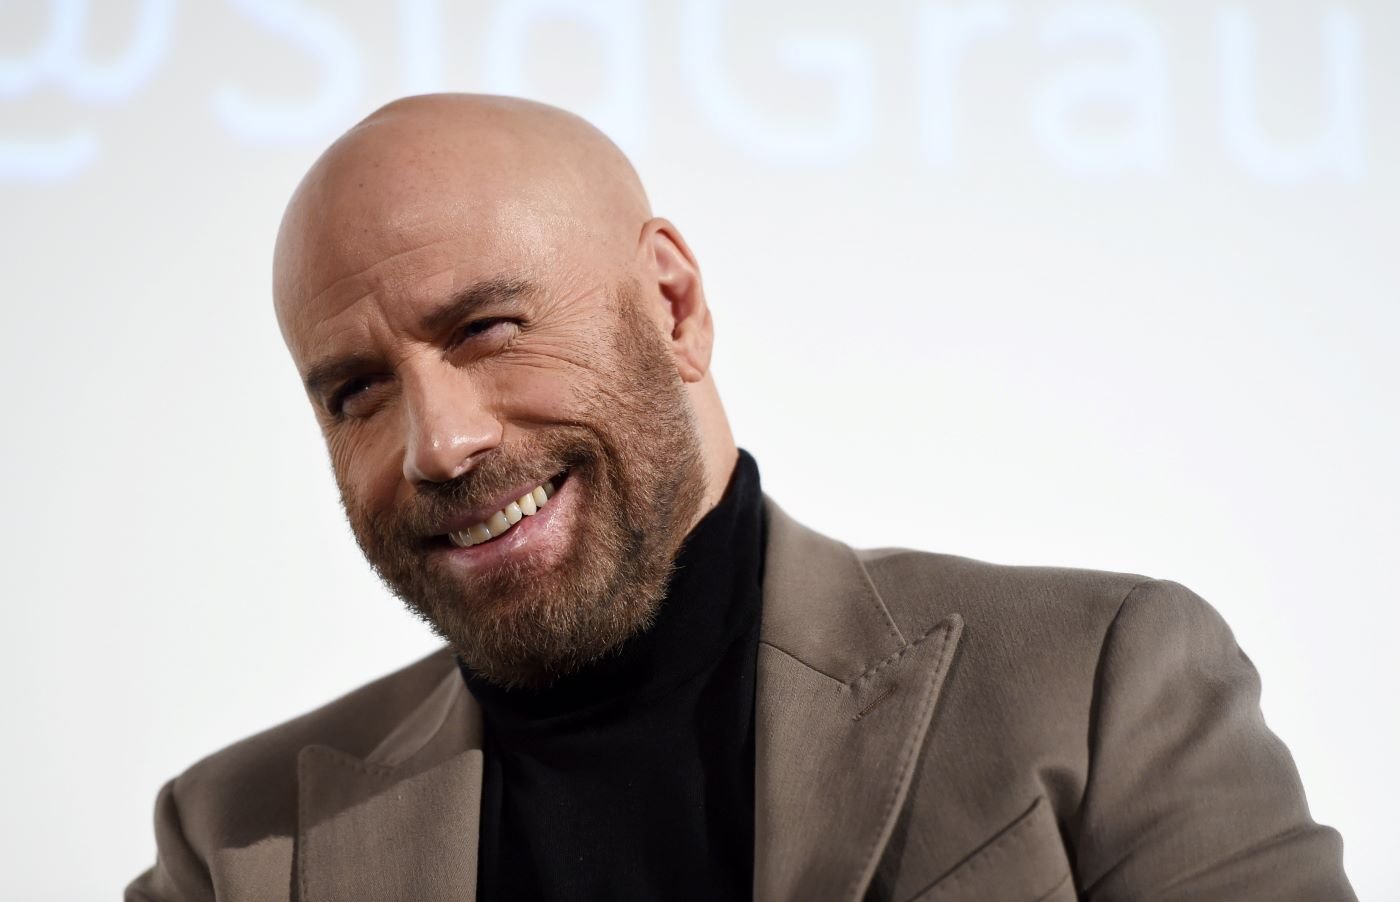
(436, 223)
(479, 302)
(423, 166)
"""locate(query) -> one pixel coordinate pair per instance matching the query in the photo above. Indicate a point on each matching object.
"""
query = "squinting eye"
(478, 328)
(347, 395)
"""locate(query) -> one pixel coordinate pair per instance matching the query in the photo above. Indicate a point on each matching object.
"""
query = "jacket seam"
(1056, 888)
(995, 848)
(892, 658)
(911, 746)
(876, 598)
(787, 654)
(1094, 705)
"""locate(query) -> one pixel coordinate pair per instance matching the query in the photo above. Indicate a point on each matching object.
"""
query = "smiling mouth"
(505, 519)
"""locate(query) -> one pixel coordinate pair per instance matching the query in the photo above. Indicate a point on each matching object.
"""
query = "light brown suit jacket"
(928, 728)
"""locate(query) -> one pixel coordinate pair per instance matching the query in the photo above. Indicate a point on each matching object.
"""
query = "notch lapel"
(844, 705)
(400, 823)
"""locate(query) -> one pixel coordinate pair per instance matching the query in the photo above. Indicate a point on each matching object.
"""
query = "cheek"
(536, 396)
(549, 376)
(537, 391)
(368, 463)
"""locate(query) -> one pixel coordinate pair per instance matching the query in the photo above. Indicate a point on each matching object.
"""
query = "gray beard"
(634, 459)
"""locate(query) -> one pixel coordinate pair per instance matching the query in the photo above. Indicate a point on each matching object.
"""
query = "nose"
(448, 426)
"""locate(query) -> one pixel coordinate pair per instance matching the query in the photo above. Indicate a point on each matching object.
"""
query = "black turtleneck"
(633, 779)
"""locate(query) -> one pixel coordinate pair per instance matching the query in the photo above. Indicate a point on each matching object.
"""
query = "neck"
(718, 450)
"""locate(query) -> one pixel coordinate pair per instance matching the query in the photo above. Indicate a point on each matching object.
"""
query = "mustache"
(495, 475)
(472, 489)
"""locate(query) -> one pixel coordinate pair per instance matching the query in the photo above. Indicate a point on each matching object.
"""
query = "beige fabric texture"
(929, 727)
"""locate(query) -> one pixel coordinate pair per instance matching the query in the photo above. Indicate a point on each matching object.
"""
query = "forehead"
(403, 213)
(414, 255)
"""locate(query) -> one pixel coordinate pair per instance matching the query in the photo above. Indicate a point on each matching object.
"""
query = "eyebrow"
(464, 301)
(323, 376)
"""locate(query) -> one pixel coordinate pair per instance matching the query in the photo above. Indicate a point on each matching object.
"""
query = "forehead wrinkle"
(336, 300)
(528, 230)
(368, 271)
(342, 332)
(388, 321)
(519, 185)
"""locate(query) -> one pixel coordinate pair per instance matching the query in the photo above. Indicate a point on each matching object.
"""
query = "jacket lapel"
(400, 823)
(844, 704)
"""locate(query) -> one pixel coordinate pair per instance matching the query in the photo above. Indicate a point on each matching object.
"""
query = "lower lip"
(534, 534)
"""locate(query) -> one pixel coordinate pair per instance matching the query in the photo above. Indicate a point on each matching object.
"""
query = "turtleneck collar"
(713, 599)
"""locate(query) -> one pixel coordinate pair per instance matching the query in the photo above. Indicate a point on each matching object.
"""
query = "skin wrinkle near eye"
(584, 350)
(470, 302)
(481, 326)
(338, 397)
(477, 299)
(357, 389)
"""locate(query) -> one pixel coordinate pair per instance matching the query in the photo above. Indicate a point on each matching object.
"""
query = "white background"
(1109, 285)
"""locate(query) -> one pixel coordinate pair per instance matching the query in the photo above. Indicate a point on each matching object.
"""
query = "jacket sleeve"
(1189, 794)
(178, 875)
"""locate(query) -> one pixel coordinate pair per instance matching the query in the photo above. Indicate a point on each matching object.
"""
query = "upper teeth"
(524, 506)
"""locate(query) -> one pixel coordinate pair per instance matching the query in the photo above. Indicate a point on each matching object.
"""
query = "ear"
(686, 316)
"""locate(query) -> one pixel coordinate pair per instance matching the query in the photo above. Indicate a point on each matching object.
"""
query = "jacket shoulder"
(1035, 639)
(1010, 603)
(1119, 705)
(254, 781)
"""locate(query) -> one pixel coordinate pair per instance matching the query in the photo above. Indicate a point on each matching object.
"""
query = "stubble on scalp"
(634, 459)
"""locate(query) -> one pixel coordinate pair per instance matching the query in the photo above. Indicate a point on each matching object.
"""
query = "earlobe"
(677, 278)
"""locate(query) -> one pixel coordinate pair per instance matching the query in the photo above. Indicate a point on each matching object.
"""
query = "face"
(450, 384)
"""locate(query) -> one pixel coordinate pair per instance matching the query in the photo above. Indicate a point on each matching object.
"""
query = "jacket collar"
(400, 823)
(843, 706)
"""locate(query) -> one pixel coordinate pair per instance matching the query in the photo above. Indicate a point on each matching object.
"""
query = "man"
(656, 684)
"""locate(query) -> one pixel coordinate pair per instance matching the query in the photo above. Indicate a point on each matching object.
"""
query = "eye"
(354, 398)
(478, 329)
